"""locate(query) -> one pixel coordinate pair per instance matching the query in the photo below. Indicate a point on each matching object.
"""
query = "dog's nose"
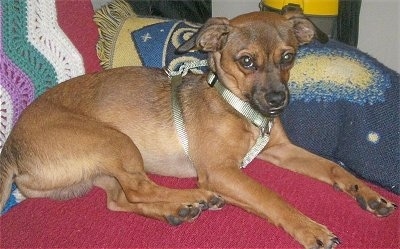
(275, 99)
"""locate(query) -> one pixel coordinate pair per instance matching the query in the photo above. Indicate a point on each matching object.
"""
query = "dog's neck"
(244, 108)
(239, 105)
(263, 123)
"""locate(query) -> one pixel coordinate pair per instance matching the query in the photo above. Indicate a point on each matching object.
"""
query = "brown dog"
(108, 129)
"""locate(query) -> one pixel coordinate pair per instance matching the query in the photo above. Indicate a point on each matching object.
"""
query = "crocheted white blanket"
(35, 54)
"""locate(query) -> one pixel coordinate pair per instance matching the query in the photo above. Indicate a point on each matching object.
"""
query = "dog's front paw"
(377, 205)
(326, 241)
(331, 243)
(371, 201)
(314, 235)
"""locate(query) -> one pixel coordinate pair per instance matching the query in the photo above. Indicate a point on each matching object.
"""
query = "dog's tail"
(7, 171)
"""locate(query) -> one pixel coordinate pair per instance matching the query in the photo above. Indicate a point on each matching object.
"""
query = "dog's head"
(252, 54)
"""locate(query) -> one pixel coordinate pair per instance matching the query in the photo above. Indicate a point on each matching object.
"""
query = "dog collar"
(263, 123)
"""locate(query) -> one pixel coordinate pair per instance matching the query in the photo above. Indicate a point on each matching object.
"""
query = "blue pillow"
(345, 107)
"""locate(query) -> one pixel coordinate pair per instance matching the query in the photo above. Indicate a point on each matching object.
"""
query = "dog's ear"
(304, 29)
(211, 36)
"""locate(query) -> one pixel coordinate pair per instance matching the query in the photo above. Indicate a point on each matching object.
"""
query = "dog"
(109, 129)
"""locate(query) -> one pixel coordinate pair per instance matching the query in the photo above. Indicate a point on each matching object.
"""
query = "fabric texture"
(344, 103)
(86, 223)
(345, 107)
(130, 40)
(42, 44)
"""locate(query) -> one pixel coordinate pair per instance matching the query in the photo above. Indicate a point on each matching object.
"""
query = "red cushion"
(86, 222)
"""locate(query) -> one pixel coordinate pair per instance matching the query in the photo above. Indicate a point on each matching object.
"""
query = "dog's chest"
(174, 164)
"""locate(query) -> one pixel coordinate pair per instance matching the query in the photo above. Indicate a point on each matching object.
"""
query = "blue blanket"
(347, 111)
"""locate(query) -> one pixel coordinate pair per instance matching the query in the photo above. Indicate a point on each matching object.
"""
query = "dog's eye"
(247, 62)
(287, 58)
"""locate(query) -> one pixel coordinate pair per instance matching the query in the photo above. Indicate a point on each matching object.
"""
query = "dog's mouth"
(274, 113)
(269, 113)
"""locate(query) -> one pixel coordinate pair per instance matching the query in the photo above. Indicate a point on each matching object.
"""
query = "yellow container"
(323, 13)
(310, 7)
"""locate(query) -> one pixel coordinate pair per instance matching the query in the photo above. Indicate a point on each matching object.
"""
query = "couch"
(344, 107)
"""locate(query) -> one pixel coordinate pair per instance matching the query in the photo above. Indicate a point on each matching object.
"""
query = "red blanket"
(86, 223)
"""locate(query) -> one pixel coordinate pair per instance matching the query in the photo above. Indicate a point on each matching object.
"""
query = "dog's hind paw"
(215, 203)
(191, 211)
(185, 213)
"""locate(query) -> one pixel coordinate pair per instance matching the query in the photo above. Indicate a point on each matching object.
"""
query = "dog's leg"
(174, 213)
(136, 192)
(242, 191)
(75, 152)
(286, 155)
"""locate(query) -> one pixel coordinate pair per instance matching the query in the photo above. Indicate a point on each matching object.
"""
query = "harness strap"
(244, 108)
(177, 114)
(263, 123)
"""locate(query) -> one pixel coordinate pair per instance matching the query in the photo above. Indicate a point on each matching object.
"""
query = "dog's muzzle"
(271, 103)
(277, 101)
